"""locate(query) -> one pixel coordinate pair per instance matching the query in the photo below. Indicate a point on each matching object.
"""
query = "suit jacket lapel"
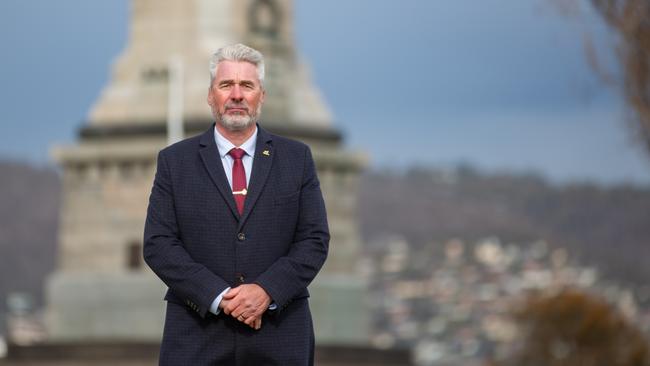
(262, 162)
(212, 161)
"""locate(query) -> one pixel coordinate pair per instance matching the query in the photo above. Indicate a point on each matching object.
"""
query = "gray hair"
(238, 52)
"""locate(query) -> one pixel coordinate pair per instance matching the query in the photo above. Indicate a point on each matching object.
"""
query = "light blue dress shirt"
(224, 147)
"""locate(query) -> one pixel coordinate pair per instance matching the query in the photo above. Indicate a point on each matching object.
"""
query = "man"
(236, 228)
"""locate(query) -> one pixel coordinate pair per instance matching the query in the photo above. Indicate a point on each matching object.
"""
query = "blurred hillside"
(604, 227)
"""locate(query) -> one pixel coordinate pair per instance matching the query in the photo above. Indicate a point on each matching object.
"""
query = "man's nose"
(236, 94)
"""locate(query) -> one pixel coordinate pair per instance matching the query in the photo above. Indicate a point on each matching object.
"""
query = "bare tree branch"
(631, 19)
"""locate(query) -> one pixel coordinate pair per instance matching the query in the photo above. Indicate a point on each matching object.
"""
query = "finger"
(230, 306)
(240, 310)
(231, 293)
(233, 305)
(258, 323)
(251, 320)
(223, 304)
(237, 313)
(253, 324)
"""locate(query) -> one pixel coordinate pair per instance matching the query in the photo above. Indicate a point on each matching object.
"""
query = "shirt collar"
(225, 146)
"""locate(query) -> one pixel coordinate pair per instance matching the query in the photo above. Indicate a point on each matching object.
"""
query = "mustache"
(231, 105)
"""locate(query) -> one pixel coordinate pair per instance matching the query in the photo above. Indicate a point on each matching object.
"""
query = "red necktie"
(239, 190)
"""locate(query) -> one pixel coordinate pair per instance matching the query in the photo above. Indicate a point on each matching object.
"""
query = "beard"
(237, 122)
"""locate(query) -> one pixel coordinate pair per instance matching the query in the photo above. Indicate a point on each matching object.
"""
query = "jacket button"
(240, 278)
(241, 236)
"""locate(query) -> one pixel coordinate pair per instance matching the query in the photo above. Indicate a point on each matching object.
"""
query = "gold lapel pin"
(266, 153)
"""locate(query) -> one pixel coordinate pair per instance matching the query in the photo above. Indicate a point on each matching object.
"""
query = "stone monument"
(101, 290)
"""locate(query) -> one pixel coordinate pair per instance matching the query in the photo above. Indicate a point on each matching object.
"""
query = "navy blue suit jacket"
(198, 244)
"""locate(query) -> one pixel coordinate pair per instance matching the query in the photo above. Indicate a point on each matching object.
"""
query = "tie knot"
(236, 153)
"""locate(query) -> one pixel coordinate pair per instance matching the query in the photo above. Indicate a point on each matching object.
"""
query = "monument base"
(128, 306)
(341, 314)
(86, 307)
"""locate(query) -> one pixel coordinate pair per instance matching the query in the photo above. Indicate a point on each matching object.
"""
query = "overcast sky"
(500, 84)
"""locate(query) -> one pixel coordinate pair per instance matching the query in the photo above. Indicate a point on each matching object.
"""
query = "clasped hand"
(246, 303)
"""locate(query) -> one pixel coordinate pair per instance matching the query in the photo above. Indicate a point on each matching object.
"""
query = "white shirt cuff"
(214, 308)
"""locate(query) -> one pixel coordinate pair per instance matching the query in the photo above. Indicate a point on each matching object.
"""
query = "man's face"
(236, 96)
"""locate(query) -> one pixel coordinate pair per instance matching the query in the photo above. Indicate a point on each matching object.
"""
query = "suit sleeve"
(164, 252)
(292, 273)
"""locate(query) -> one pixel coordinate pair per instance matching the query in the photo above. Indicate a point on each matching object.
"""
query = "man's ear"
(210, 93)
(209, 97)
